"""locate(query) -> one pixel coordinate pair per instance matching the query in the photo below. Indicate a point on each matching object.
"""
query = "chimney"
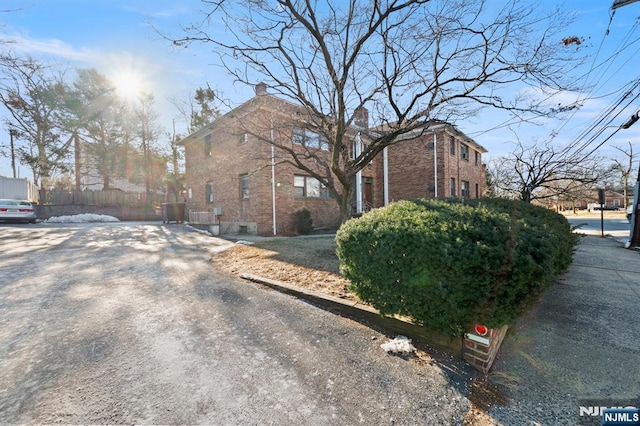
(261, 89)
(361, 117)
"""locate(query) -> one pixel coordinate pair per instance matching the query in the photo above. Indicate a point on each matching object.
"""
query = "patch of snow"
(246, 243)
(399, 345)
(201, 231)
(82, 218)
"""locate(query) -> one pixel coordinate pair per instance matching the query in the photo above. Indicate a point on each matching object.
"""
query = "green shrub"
(449, 264)
(303, 221)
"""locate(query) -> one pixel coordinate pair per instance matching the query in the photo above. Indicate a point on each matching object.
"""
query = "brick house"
(612, 200)
(241, 183)
(453, 168)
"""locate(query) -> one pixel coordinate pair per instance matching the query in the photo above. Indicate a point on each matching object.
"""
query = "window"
(298, 136)
(207, 146)
(309, 187)
(464, 189)
(309, 139)
(244, 187)
(477, 191)
(453, 187)
(244, 137)
(477, 158)
(464, 151)
(209, 193)
(452, 145)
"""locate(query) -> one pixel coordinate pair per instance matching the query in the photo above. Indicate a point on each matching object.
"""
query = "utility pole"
(634, 232)
(13, 132)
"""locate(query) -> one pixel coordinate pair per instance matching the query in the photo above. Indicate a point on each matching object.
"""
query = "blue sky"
(117, 38)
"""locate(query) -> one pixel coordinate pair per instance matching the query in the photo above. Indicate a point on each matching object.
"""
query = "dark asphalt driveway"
(128, 323)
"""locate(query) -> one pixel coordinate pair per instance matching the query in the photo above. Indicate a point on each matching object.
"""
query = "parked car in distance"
(629, 212)
(597, 207)
(17, 210)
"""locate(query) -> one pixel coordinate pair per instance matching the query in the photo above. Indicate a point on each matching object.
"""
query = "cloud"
(159, 13)
(49, 47)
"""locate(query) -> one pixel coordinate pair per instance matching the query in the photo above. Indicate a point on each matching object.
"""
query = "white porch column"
(357, 151)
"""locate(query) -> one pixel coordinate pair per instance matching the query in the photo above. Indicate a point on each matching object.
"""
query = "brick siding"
(481, 355)
(411, 168)
(239, 146)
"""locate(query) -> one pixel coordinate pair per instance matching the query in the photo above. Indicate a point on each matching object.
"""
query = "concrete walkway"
(579, 346)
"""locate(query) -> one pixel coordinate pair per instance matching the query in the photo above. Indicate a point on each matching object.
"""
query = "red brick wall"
(411, 168)
(233, 155)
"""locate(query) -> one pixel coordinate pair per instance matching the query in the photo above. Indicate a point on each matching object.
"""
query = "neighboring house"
(612, 200)
(237, 180)
(125, 171)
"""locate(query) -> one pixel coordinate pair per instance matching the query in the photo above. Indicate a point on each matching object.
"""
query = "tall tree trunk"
(106, 181)
(78, 161)
(346, 203)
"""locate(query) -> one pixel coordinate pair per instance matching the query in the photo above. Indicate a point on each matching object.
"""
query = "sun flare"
(129, 84)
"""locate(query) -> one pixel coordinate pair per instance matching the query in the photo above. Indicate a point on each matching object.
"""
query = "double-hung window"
(244, 186)
(464, 151)
(309, 139)
(209, 193)
(309, 187)
(207, 146)
(464, 189)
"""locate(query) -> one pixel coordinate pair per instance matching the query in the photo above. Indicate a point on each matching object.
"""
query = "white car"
(17, 210)
(629, 212)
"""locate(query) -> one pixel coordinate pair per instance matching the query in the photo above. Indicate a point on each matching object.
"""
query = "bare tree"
(624, 169)
(542, 171)
(408, 62)
(148, 133)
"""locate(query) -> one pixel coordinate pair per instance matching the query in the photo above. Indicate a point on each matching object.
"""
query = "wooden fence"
(100, 198)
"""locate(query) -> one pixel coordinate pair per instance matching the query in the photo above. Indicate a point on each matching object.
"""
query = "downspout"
(435, 165)
(385, 175)
(273, 183)
(357, 152)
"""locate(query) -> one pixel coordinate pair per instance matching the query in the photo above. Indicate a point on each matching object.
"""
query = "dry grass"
(308, 262)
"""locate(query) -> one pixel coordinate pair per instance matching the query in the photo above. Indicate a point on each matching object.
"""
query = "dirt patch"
(309, 263)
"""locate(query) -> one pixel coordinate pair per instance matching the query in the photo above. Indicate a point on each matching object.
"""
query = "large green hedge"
(449, 264)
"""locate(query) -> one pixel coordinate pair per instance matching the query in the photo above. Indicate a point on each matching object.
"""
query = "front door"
(367, 193)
